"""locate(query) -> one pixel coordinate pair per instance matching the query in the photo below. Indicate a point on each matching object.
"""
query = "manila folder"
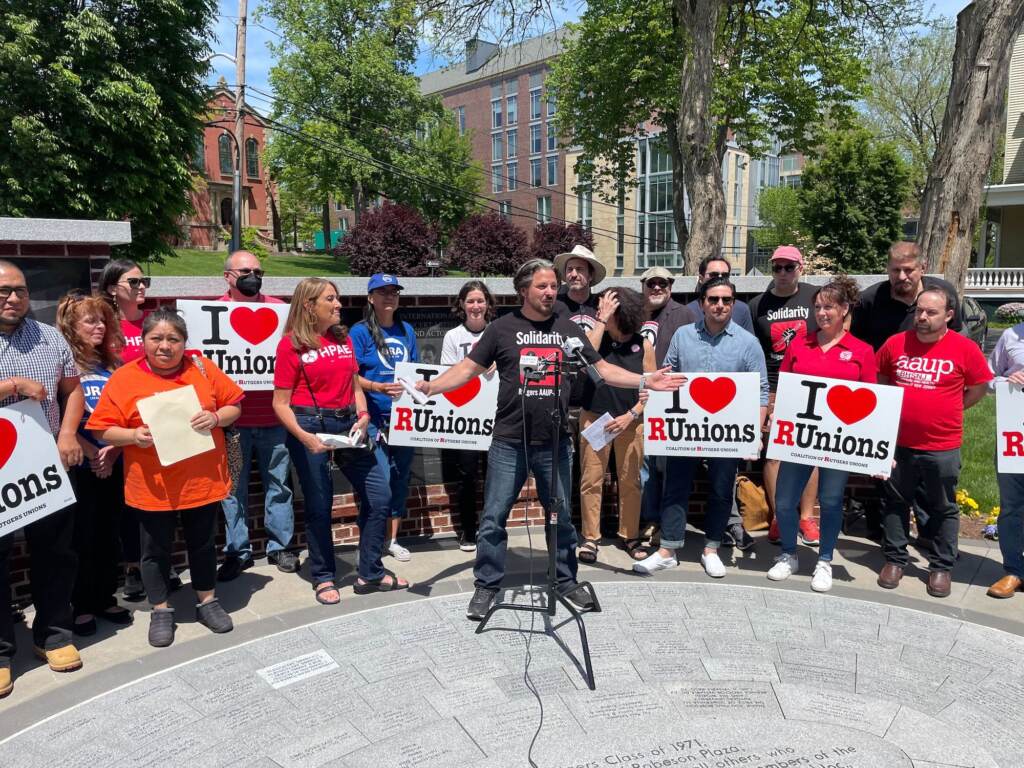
(168, 416)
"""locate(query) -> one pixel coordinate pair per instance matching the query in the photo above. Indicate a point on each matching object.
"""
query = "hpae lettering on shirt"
(329, 370)
(503, 342)
(780, 319)
(132, 332)
(933, 377)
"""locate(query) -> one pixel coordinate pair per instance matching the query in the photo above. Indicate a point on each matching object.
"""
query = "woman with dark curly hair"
(832, 352)
(622, 312)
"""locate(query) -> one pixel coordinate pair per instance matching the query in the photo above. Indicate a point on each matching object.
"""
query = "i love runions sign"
(241, 338)
(462, 418)
(1009, 428)
(33, 483)
(711, 415)
(835, 424)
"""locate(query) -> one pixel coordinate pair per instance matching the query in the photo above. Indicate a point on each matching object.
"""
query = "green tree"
(704, 71)
(101, 104)
(782, 223)
(851, 199)
(906, 95)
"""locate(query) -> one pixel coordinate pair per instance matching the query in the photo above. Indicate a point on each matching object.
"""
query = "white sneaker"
(785, 566)
(713, 565)
(399, 552)
(822, 579)
(654, 562)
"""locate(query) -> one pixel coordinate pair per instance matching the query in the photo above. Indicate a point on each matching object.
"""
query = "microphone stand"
(556, 506)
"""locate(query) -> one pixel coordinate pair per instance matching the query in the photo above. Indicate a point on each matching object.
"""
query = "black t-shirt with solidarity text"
(503, 342)
(780, 319)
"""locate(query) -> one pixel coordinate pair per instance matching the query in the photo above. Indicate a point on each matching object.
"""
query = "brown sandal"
(635, 548)
(588, 552)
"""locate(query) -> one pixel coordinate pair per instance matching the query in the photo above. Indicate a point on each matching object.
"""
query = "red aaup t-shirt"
(259, 409)
(933, 378)
(329, 370)
(850, 359)
(132, 332)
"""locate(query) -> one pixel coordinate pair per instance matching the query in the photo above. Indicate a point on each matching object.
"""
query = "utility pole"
(236, 216)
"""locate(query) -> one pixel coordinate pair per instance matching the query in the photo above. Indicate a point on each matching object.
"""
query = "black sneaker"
(133, 591)
(174, 582)
(481, 603)
(736, 536)
(467, 542)
(212, 616)
(232, 567)
(286, 561)
(580, 597)
(161, 627)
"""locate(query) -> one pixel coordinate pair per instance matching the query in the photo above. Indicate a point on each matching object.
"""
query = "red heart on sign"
(712, 394)
(459, 397)
(851, 405)
(254, 325)
(8, 439)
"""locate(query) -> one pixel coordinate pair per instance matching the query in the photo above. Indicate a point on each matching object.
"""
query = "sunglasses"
(714, 275)
(726, 300)
(776, 268)
(135, 282)
(247, 271)
(657, 283)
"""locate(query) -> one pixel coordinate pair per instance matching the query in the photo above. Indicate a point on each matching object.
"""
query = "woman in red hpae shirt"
(832, 353)
(317, 392)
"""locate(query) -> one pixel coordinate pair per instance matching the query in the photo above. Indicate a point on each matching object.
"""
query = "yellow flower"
(972, 503)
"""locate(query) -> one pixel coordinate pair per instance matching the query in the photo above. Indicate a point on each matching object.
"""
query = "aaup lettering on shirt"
(921, 371)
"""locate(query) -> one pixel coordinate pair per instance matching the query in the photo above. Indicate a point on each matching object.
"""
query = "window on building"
(585, 205)
(535, 172)
(511, 103)
(620, 228)
(252, 158)
(505, 208)
(793, 182)
(552, 170)
(496, 185)
(199, 153)
(657, 244)
(224, 153)
(535, 140)
(551, 104)
(790, 163)
(460, 118)
(497, 146)
(535, 104)
(511, 140)
(544, 209)
(737, 190)
(736, 250)
(512, 176)
(339, 206)
(496, 114)
(552, 138)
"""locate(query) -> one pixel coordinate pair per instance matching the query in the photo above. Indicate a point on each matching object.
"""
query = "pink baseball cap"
(788, 253)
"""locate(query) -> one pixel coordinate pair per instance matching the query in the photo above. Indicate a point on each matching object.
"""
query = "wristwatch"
(634, 414)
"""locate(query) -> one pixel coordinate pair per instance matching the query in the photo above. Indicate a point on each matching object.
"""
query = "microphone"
(533, 368)
(573, 349)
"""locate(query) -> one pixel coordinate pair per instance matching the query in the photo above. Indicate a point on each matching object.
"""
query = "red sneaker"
(773, 532)
(810, 534)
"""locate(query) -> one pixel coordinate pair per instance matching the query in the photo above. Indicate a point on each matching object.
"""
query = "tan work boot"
(63, 659)
(6, 681)
(1005, 587)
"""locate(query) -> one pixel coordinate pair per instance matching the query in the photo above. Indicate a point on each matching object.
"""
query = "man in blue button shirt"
(713, 344)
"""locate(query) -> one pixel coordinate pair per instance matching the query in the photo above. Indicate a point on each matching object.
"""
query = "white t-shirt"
(457, 344)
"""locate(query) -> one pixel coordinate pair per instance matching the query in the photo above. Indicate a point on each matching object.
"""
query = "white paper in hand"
(595, 433)
(341, 441)
(417, 397)
(168, 416)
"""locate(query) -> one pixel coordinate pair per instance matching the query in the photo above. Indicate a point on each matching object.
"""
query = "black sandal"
(635, 548)
(326, 586)
(379, 585)
(588, 552)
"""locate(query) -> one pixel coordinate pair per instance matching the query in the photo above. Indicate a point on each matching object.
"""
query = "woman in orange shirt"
(194, 486)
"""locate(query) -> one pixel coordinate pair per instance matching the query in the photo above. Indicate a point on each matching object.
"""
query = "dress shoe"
(939, 583)
(63, 659)
(890, 576)
(1005, 587)
(6, 681)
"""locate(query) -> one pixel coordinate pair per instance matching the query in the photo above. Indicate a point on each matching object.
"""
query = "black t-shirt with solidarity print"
(780, 319)
(503, 343)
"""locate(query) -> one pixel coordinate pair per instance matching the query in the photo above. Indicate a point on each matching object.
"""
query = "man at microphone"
(522, 429)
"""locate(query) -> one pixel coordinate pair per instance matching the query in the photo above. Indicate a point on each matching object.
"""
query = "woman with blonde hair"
(317, 393)
(92, 331)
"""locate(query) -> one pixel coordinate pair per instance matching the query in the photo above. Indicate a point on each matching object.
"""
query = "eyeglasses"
(657, 283)
(247, 271)
(20, 291)
(726, 300)
(135, 282)
(713, 275)
(790, 267)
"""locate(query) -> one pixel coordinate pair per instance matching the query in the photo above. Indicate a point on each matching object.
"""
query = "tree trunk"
(275, 218)
(699, 139)
(678, 185)
(985, 33)
(358, 203)
(325, 222)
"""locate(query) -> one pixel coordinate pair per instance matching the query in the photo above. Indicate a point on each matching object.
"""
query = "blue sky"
(259, 59)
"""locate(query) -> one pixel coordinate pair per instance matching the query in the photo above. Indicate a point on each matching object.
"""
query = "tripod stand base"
(549, 609)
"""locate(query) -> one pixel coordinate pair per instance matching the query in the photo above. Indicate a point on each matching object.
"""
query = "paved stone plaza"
(708, 675)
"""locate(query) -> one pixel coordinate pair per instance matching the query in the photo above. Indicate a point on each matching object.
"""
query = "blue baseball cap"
(381, 280)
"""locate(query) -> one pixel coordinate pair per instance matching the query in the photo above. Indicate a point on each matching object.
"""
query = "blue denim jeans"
(679, 474)
(506, 474)
(370, 485)
(1011, 523)
(396, 462)
(268, 443)
(790, 486)
(652, 480)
